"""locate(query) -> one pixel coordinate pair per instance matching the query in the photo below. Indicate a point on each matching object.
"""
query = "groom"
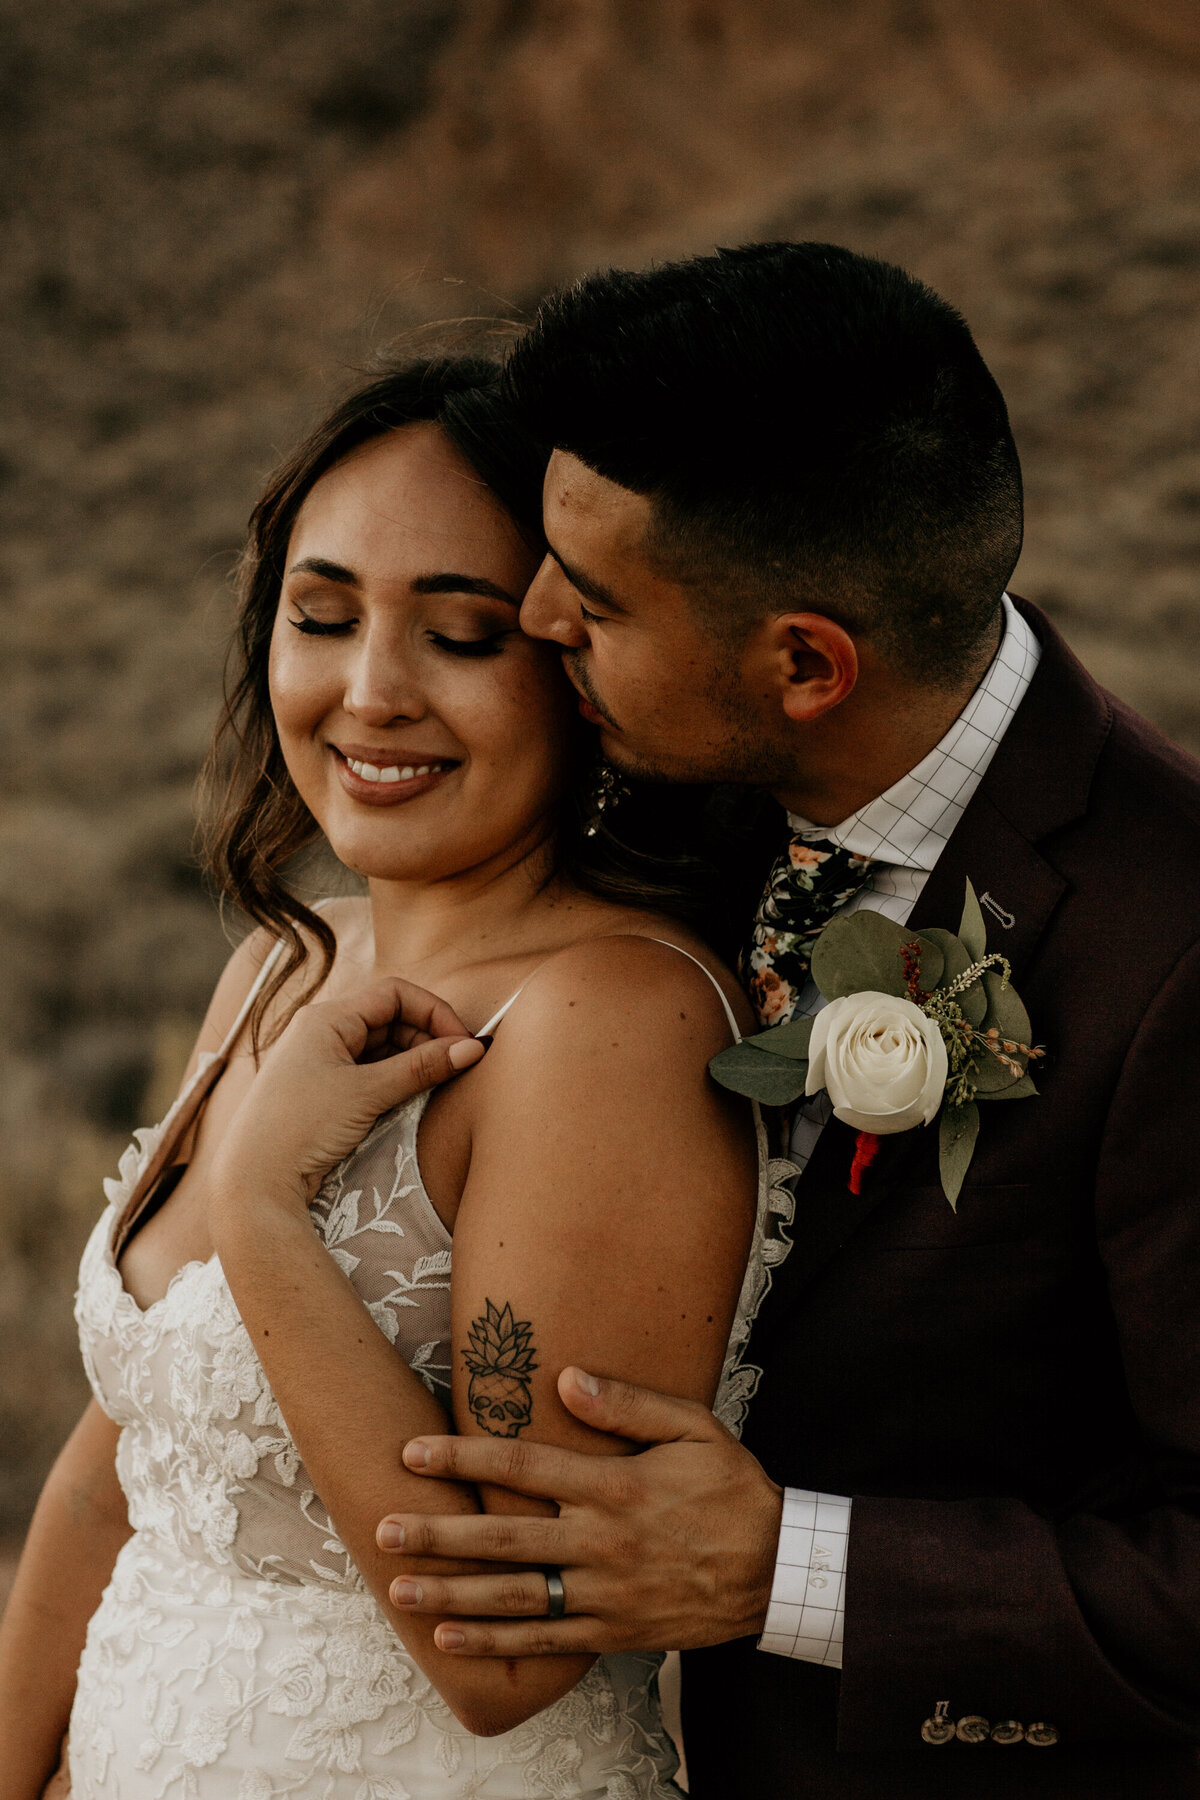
(959, 1552)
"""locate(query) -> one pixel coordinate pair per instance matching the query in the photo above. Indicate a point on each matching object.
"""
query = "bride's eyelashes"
(488, 645)
(589, 618)
(315, 628)
(481, 646)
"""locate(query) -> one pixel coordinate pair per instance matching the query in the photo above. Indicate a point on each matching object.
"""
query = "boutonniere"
(918, 1023)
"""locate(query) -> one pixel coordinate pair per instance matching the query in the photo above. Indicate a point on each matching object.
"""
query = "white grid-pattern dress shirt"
(904, 831)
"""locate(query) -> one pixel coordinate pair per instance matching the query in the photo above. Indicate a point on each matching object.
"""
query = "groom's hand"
(664, 1550)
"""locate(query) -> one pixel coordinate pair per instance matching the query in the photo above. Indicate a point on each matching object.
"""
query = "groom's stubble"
(731, 746)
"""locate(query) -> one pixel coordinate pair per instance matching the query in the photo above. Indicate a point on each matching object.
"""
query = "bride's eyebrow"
(463, 584)
(328, 571)
(447, 583)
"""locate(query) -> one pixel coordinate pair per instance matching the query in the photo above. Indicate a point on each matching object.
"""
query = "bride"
(266, 1306)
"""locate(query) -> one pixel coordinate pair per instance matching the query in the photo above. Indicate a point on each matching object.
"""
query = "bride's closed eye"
(316, 628)
(491, 645)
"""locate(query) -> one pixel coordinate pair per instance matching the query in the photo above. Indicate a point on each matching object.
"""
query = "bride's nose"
(381, 685)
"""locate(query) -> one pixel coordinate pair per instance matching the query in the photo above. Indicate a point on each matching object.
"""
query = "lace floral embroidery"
(237, 1654)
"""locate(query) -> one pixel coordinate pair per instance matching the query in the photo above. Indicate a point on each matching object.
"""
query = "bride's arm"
(79, 1526)
(608, 1206)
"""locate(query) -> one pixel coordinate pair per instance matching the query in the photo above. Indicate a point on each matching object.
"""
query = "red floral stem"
(866, 1148)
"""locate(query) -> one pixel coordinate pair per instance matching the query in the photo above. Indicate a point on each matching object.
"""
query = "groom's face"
(670, 698)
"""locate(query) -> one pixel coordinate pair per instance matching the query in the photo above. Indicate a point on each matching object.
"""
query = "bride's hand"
(335, 1069)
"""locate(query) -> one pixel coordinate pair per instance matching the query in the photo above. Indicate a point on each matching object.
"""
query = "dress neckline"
(185, 1110)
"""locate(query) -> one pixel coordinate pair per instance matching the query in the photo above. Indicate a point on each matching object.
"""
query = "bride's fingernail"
(448, 1639)
(407, 1593)
(390, 1536)
(465, 1052)
(416, 1456)
(587, 1382)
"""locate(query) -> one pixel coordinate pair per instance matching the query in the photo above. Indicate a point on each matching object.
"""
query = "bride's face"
(424, 731)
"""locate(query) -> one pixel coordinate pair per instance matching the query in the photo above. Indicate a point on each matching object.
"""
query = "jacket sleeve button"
(939, 1729)
(1007, 1732)
(1041, 1734)
(973, 1729)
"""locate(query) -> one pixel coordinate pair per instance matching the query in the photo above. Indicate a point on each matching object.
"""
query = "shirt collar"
(909, 825)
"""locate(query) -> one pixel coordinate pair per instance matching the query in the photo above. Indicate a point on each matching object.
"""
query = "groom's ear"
(815, 663)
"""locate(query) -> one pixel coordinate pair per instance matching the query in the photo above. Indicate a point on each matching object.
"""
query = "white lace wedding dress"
(237, 1653)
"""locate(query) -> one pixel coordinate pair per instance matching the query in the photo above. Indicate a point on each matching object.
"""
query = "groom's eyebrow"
(591, 590)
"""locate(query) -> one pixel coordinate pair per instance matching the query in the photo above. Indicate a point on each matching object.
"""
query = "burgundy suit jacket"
(1010, 1392)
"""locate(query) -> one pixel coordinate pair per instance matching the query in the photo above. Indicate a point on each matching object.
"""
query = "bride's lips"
(393, 777)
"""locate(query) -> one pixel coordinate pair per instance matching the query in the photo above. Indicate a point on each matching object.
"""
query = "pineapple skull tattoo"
(500, 1358)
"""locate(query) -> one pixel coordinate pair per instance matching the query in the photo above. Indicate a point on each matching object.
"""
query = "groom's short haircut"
(816, 430)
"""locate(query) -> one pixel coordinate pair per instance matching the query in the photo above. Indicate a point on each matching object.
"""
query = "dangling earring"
(607, 787)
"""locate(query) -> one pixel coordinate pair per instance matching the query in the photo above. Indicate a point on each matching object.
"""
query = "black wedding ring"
(555, 1594)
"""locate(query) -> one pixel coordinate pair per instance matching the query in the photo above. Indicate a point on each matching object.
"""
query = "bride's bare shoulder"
(637, 941)
(631, 985)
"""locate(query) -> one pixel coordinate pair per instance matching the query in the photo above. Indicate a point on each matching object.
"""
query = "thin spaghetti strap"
(497, 1016)
(256, 987)
(185, 1112)
(729, 1013)
(721, 995)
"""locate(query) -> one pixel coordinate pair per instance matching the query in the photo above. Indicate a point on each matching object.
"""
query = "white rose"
(881, 1060)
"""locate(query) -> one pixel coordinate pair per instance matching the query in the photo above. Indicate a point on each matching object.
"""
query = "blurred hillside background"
(216, 212)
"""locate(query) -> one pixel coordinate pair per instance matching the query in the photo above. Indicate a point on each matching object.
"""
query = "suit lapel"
(1038, 782)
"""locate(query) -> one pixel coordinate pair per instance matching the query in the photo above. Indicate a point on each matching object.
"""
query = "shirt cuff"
(808, 1597)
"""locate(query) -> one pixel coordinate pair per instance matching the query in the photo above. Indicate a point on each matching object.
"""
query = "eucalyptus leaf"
(957, 1132)
(1006, 1015)
(972, 930)
(1005, 1011)
(956, 960)
(932, 964)
(860, 953)
(992, 1079)
(790, 1040)
(1020, 1090)
(773, 1080)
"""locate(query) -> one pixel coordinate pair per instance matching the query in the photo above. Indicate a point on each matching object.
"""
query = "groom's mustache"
(578, 677)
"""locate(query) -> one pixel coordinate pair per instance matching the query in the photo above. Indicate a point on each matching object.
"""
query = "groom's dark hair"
(815, 429)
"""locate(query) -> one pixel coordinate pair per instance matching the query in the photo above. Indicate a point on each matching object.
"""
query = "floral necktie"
(809, 881)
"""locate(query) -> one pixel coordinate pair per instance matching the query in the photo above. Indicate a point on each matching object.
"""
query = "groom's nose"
(550, 609)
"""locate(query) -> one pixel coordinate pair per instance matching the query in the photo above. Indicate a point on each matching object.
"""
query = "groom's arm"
(1087, 1622)
(672, 1548)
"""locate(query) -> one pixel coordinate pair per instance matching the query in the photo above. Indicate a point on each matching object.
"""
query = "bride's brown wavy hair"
(659, 846)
